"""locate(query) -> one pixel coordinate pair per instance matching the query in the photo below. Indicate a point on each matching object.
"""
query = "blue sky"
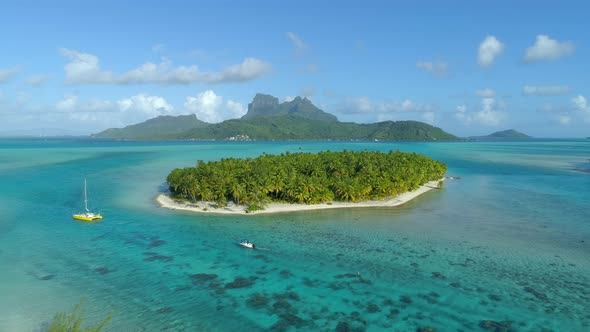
(469, 67)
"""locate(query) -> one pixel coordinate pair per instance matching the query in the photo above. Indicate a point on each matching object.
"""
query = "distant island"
(295, 181)
(268, 120)
(504, 134)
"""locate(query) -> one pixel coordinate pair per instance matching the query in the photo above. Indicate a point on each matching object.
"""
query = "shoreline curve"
(165, 201)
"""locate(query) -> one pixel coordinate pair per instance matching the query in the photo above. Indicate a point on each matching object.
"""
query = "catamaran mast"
(85, 197)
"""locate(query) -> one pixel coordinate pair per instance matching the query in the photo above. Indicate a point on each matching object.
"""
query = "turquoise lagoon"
(507, 242)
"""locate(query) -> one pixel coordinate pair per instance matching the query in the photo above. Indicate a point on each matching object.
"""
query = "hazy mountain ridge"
(267, 119)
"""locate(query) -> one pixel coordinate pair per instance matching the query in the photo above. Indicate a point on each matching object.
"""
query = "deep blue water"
(508, 241)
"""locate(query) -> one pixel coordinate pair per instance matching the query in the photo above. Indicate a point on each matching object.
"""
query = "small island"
(509, 134)
(302, 181)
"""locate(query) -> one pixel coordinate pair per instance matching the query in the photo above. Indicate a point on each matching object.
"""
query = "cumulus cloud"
(37, 80)
(85, 68)
(299, 45)
(210, 107)
(72, 104)
(462, 115)
(8, 73)
(546, 48)
(552, 90)
(383, 111)
(126, 111)
(486, 93)
(365, 105)
(361, 104)
(581, 105)
(489, 49)
(145, 106)
(438, 69)
(487, 114)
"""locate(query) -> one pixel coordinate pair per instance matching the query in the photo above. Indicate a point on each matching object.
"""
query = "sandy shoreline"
(208, 207)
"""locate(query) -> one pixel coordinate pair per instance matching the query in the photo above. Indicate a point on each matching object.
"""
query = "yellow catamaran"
(87, 216)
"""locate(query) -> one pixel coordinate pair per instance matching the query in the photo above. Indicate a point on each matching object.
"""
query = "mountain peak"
(267, 105)
(263, 100)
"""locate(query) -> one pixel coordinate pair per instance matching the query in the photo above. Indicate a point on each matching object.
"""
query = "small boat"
(247, 244)
(87, 216)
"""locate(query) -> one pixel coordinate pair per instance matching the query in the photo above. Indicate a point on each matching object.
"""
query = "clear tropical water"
(508, 241)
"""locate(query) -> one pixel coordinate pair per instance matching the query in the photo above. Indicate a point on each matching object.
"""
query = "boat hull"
(86, 218)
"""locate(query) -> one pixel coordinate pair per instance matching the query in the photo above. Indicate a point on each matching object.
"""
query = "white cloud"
(486, 93)
(488, 115)
(300, 46)
(288, 98)
(361, 104)
(581, 105)
(438, 69)
(8, 73)
(546, 48)
(489, 49)
(72, 104)
(363, 109)
(85, 68)
(553, 90)
(67, 104)
(210, 107)
(429, 117)
(37, 80)
(145, 106)
(126, 111)
(462, 115)
(365, 105)
(405, 106)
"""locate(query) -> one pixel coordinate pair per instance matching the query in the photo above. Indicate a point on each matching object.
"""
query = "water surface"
(508, 241)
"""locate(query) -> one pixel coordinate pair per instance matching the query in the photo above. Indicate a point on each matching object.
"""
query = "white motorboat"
(247, 244)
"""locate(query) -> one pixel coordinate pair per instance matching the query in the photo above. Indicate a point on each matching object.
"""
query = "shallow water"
(508, 241)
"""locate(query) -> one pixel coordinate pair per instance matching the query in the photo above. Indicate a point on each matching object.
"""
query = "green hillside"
(267, 120)
(504, 134)
(165, 125)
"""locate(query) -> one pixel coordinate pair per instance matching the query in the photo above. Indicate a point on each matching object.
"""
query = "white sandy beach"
(209, 207)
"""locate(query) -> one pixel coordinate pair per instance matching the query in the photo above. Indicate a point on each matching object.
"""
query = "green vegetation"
(304, 178)
(161, 125)
(64, 322)
(505, 134)
(268, 120)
